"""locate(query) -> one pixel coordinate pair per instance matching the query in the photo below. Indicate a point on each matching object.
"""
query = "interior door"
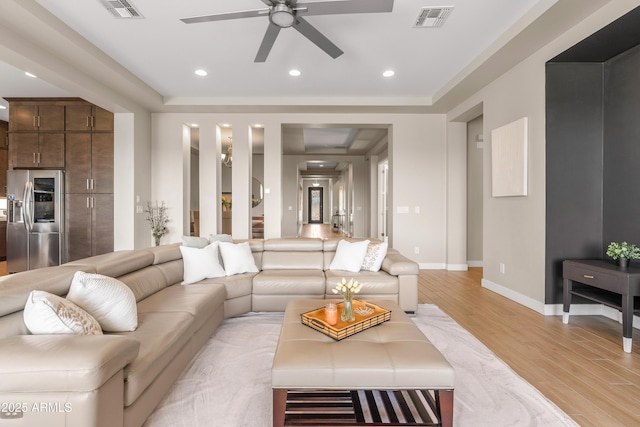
(315, 213)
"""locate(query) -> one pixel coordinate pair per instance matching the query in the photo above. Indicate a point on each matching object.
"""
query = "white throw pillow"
(200, 264)
(195, 241)
(220, 238)
(45, 313)
(374, 256)
(349, 256)
(108, 300)
(237, 258)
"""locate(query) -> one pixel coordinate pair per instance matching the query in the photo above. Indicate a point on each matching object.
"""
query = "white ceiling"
(83, 50)
(163, 52)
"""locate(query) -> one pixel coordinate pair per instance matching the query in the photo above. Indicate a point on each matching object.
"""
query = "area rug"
(228, 384)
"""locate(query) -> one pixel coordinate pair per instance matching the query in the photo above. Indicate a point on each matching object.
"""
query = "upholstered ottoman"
(389, 373)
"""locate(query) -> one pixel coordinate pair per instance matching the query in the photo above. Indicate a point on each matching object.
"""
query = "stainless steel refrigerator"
(35, 219)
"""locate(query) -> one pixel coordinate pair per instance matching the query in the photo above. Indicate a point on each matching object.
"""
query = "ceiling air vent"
(121, 8)
(430, 17)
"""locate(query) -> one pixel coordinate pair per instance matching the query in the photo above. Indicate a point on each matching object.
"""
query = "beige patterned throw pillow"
(45, 313)
(111, 302)
(374, 257)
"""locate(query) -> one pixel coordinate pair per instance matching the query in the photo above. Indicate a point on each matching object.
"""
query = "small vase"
(623, 262)
(157, 238)
(347, 311)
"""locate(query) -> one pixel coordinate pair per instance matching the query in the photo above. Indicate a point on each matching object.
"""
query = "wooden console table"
(606, 284)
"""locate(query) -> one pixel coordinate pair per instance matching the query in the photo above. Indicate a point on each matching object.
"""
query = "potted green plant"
(623, 252)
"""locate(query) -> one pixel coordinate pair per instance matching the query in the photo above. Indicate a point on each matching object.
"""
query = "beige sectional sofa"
(117, 379)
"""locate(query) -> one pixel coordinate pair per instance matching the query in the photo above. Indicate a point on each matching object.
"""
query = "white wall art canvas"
(509, 159)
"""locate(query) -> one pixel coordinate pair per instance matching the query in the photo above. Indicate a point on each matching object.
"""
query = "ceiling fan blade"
(337, 7)
(226, 15)
(310, 32)
(267, 42)
(267, 2)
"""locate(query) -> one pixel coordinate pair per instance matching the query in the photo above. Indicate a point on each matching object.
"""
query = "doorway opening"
(316, 203)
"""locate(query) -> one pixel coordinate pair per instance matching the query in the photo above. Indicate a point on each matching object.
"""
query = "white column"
(272, 179)
(241, 181)
(456, 196)
(124, 199)
(210, 143)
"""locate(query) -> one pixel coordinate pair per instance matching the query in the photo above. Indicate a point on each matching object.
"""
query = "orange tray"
(341, 330)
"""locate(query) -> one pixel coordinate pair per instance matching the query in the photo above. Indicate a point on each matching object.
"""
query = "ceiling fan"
(287, 13)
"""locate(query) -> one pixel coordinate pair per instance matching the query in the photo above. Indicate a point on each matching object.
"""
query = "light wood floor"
(323, 231)
(580, 366)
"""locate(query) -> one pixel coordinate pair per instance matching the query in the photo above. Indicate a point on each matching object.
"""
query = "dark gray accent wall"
(593, 160)
(622, 149)
(574, 168)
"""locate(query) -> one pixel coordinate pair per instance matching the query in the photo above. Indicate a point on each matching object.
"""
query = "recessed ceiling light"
(194, 125)
(26, 73)
(226, 125)
(200, 72)
(294, 73)
(389, 73)
(258, 125)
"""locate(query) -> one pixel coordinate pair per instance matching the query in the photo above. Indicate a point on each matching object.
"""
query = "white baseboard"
(431, 266)
(475, 263)
(590, 310)
(514, 296)
(556, 309)
(443, 266)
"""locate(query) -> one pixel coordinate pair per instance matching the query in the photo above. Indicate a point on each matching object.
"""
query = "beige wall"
(132, 180)
(474, 192)
(417, 170)
(514, 227)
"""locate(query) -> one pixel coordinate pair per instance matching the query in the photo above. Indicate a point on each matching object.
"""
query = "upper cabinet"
(34, 116)
(36, 150)
(87, 117)
(41, 130)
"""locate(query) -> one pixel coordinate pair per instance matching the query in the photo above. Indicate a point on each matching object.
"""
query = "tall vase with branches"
(157, 218)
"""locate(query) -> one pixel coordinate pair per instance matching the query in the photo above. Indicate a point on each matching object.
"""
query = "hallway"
(323, 231)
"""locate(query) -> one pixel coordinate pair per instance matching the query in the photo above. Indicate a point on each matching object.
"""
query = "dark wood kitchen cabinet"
(36, 133)
(76, 136)
(36, 115)
(89, 225)
(89, 181)
(88, 117)
(36, 150)
(89, 159)
(4, 156)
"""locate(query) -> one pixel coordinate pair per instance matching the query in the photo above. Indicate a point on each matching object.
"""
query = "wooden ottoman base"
(362, 408)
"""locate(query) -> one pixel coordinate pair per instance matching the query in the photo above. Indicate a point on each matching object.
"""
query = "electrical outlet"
(416, 250)
(502, 267)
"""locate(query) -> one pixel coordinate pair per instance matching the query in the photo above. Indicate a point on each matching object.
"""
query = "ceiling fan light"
(282, 16)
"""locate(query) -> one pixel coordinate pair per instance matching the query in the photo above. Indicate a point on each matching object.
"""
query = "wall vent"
(122, 9)
(430, 17)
